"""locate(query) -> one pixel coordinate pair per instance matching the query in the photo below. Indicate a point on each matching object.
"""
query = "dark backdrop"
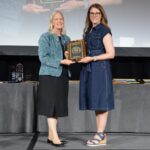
(128, 63)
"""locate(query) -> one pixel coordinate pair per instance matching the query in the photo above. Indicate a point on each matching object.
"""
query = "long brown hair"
(88, 23)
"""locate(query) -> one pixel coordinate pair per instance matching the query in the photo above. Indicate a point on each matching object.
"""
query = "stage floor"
(76, 141)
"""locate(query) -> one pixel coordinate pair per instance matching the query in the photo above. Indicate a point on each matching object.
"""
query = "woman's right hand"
(70, 5)
(67, 62)
(86, 59)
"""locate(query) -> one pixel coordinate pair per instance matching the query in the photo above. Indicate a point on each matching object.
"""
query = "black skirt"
(53, 95)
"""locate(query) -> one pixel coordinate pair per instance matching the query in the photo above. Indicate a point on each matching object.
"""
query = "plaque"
(76, 50)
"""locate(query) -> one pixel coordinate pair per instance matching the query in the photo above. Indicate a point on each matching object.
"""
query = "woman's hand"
(86, 59)
(66, 62)
(70, 5)
(34, 8)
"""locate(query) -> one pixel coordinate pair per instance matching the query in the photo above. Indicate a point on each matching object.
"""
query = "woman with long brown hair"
(96, 90)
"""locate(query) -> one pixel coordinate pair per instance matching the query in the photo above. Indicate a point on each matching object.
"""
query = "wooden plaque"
(76, 49)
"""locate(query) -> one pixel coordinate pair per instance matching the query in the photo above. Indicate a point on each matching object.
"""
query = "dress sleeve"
(105, 31)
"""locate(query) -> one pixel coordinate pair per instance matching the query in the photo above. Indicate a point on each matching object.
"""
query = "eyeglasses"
(95, 14)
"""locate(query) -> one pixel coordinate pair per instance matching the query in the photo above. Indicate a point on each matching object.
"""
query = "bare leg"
(101, 120)
(52, 130)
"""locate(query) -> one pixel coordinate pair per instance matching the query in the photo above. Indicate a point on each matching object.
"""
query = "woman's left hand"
(86, 59)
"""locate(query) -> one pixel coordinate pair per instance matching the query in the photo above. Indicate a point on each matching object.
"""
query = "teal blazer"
(50, 53)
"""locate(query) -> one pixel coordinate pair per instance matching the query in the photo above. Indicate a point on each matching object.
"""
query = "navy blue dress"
(96, 90)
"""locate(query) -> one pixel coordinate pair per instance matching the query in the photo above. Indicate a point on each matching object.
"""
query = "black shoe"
(50, 141)
(57, 145)
(141, 81)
